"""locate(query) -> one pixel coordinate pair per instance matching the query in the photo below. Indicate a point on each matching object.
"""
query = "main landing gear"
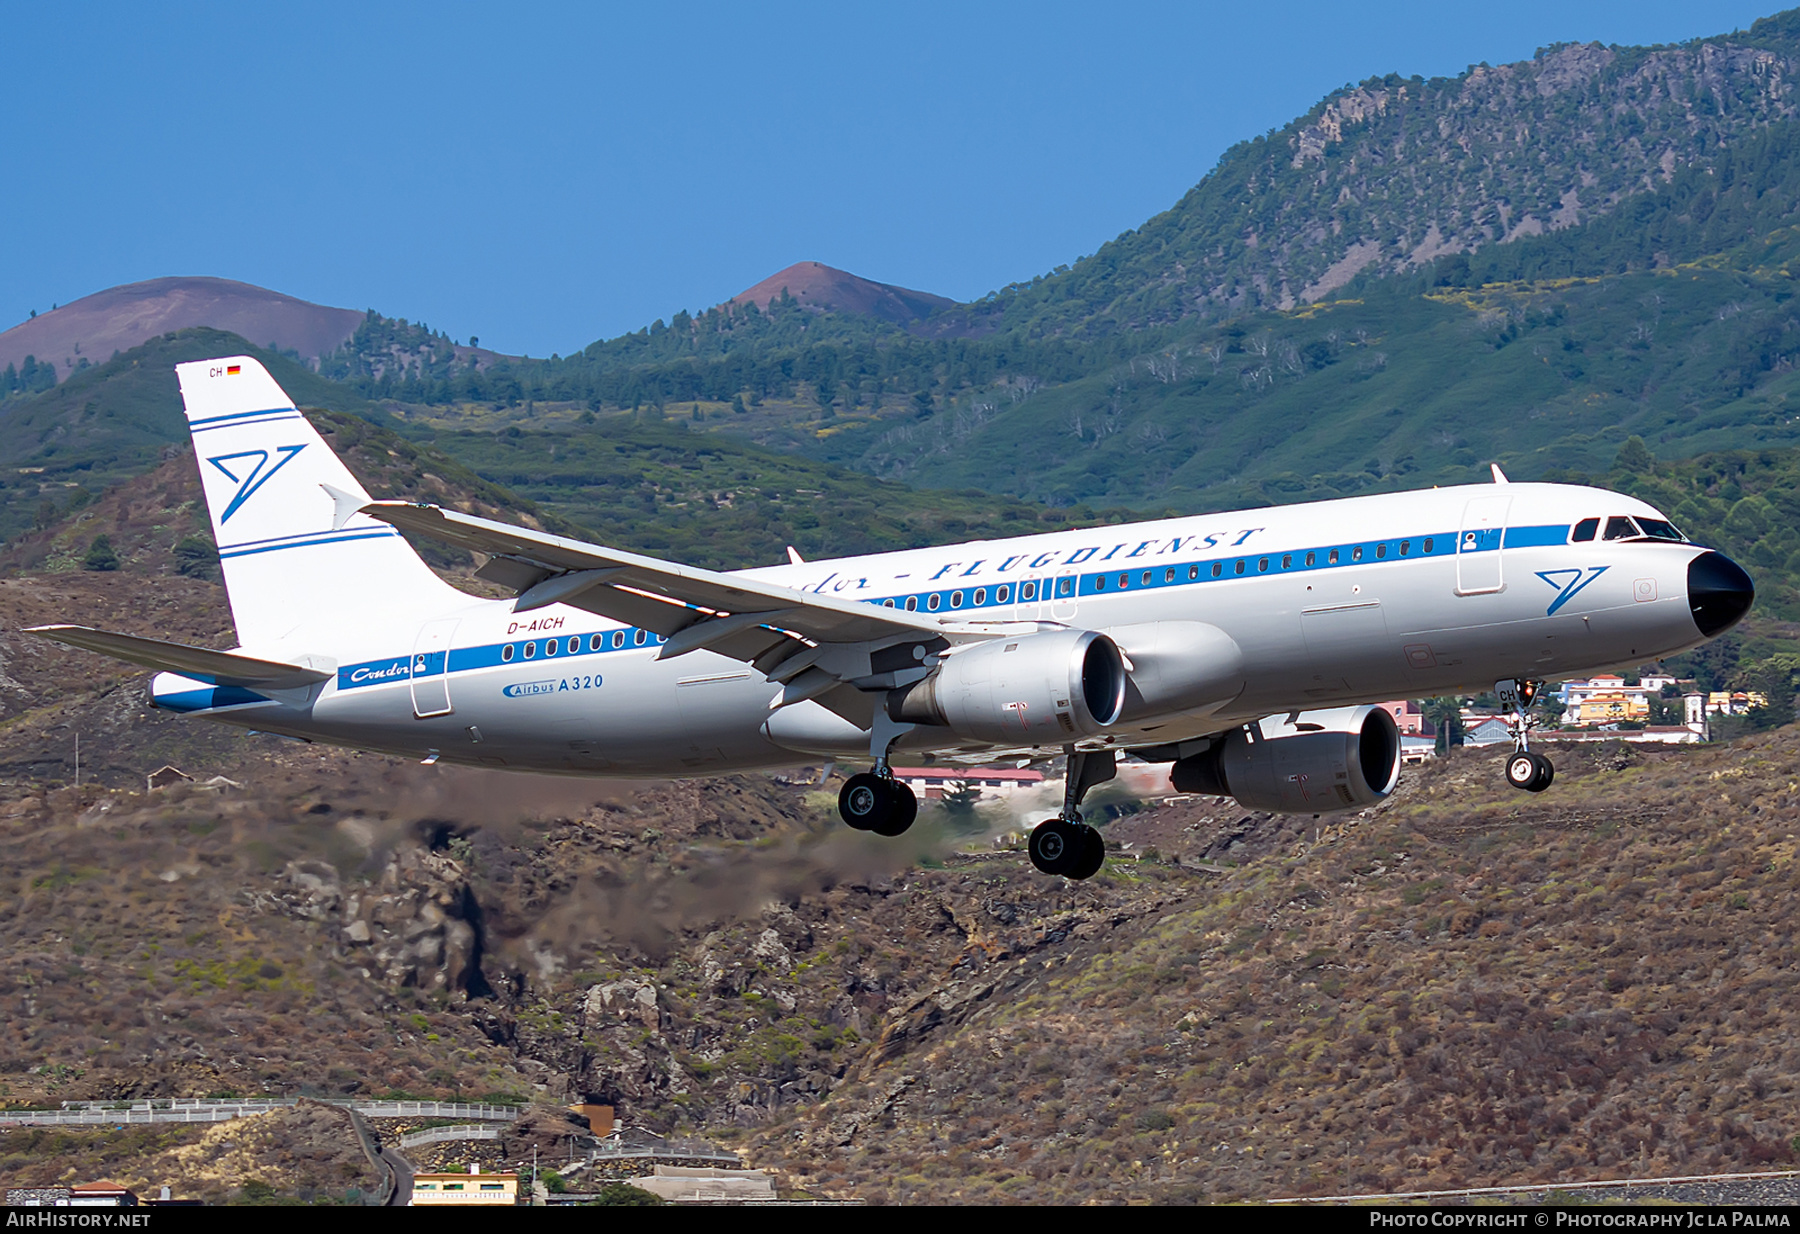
(874, 800)
(878, 803)
(1526, 769)
(1065, 845)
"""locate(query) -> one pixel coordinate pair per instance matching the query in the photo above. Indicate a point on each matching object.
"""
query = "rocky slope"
(1463, 986)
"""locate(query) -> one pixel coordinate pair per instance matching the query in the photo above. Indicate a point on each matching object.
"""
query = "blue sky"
(545, 175)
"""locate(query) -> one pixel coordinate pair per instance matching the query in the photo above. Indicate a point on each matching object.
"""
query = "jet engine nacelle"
(1321, 761)
(1037, 689)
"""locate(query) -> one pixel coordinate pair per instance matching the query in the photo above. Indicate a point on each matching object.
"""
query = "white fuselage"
(1330, 603)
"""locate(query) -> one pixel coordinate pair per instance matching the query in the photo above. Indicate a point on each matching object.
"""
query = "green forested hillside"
(1667, 318)
(639, 483)
(711, 501)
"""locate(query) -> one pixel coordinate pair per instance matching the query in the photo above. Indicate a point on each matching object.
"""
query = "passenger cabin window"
(506, 652)
(1585, 530)
(1618, 528)
(912, 604)
(1218, 569)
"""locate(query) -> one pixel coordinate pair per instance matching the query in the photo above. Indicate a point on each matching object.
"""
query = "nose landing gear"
(1065, 845)
(1526, 769)
(1529, 771)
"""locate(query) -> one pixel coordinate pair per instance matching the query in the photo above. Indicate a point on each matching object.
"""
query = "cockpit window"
(1586, 529)
(1619, 528)
(1657, 529)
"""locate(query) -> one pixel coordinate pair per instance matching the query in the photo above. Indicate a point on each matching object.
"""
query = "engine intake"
(1037, 689)
(1323, 761)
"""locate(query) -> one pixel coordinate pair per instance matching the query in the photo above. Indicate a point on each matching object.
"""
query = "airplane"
(1243, 648)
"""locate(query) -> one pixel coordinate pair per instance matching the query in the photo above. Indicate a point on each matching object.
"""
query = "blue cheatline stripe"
(240, 415)
(1128, 576)
(398, 670)
(266, 419)
(1536, 537)
(1387, 552)
(276, 548)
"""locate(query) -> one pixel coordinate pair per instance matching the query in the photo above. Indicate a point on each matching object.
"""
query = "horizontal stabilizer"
(221, 668)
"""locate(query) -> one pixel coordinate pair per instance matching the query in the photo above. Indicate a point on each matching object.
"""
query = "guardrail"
(606, 1151)
(437, 1135)
(200, 1110)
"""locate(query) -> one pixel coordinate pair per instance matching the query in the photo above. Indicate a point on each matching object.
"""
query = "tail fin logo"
(254, 476)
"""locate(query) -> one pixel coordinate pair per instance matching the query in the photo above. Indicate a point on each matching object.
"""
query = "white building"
(936, 783)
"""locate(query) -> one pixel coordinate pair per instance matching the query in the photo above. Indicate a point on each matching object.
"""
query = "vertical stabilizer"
(293, 555)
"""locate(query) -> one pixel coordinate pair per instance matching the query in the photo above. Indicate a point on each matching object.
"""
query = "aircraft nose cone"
(1719, 592)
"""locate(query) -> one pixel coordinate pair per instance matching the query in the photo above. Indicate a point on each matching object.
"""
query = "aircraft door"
(431, 669)
(1065, 597)
(1479, 545)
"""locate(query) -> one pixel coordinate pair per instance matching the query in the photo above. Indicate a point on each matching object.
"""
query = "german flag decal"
(232, 370)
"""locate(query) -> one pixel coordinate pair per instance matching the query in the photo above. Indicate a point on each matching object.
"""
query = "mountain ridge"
(90, 330)
(819, 286)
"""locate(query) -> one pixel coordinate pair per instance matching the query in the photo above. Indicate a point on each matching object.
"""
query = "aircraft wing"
(221, 668)
(757, 622)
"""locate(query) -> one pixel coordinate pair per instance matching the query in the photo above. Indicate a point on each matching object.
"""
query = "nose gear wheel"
(1526, 769)
(1530, 771)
